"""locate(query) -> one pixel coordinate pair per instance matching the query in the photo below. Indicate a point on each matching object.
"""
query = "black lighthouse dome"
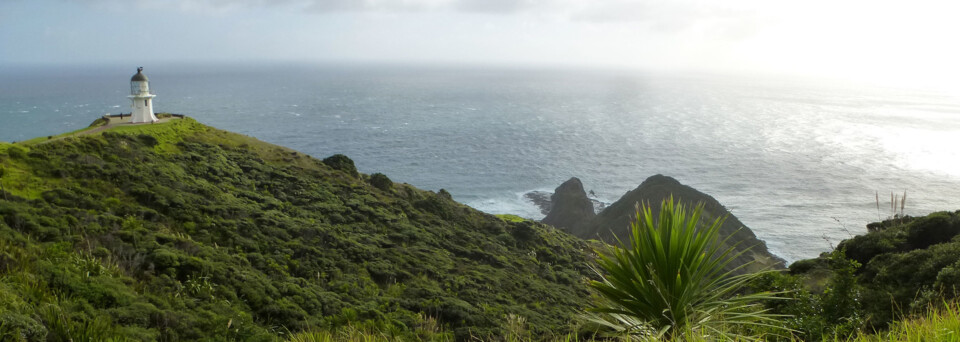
(139, 77)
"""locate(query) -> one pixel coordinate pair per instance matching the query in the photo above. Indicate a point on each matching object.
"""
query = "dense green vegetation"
(179, 231)
(903, 268)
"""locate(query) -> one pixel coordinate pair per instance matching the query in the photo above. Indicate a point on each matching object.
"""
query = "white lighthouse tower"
(141, 110)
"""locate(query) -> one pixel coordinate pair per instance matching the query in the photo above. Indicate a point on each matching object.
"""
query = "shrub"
(841, 301)
(524, 231)
(148, 140)
(16, 152)
(381, 181)
(934, 229)
(445, 194)
(16, 327)
(342, 163)
(99, 122)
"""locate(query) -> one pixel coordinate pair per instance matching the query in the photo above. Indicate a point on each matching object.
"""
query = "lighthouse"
(141, 110)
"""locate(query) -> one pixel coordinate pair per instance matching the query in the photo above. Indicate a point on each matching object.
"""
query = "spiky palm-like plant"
(669, 281)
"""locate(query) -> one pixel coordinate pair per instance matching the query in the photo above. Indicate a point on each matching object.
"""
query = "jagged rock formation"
(571, 210)
(615, 219)
(544, 201)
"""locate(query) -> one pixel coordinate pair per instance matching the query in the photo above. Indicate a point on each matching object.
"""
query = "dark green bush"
(803, 266)
(933, 229)
(381, 181)
(342, 163)
(16, 152)
(16, 327)
(445, 194)
(148, 140)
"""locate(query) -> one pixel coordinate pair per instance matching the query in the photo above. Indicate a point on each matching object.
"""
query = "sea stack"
(571, 209)
(568, 213)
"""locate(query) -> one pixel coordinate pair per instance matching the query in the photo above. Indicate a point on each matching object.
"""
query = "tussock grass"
(936, 325)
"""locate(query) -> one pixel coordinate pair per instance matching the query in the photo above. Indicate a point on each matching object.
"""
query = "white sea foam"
(514, 205)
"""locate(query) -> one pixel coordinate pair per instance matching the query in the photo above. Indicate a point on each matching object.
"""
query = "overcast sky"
(913, 40)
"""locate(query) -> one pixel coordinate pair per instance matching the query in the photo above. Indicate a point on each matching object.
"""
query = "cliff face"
(615, 220)
(570, 209)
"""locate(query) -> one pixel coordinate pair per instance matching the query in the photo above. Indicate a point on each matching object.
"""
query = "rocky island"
(571, 210)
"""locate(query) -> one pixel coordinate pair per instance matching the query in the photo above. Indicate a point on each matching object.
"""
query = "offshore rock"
(570, 208)
(614, 221)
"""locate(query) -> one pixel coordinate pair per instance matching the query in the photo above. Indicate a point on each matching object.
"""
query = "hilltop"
(180, 231)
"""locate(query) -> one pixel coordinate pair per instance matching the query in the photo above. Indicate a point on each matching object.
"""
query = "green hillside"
(179, 231)
(904, 275)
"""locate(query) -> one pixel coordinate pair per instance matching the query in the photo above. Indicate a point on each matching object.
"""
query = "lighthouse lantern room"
(141, 110)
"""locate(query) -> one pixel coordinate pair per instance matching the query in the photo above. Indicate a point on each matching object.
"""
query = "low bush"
(342, 163)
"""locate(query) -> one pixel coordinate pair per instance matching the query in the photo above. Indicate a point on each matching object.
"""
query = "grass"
(511, 218)
(4, 146)
(20, 180)
(938, 324)
(168, 133)
(38, 140)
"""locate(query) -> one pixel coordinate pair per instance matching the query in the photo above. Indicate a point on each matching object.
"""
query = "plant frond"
(671, 277)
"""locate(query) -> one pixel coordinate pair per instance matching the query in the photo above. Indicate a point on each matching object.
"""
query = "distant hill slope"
(180, 231)
(615, 219)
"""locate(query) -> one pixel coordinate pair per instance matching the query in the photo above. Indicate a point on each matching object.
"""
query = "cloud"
(592, 10)
(482, 6)
(323, 6)
(657, 15)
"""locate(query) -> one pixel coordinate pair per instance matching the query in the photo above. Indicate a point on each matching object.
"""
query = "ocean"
(798, 161)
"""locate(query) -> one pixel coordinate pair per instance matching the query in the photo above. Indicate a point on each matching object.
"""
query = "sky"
(878, 40)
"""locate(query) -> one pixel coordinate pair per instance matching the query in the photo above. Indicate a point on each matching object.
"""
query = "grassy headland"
(179, 231)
